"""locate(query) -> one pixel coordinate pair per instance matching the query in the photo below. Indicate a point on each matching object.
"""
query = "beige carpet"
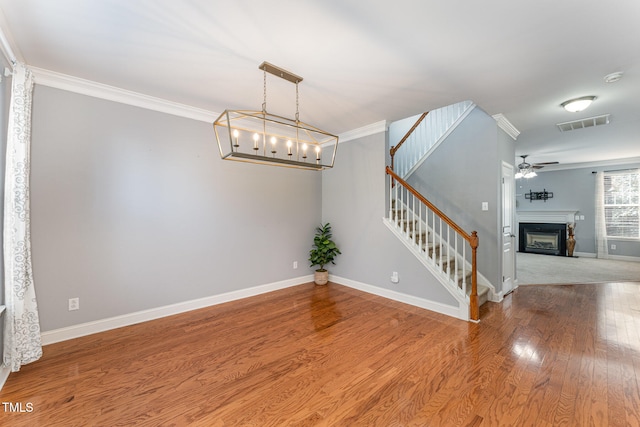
(546, 269)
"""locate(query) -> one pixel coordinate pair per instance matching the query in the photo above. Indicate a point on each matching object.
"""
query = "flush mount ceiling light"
(578, 104)
(264, 138)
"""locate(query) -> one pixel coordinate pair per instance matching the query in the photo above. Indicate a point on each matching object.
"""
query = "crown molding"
(98, 90)
(363, 131)
(506, 125)
(8, 46)
(112, 93)
(596, 164)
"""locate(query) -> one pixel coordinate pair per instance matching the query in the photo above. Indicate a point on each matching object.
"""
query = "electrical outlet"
(485, 206)
(394, 277)
(74, 304)
(295, 264)
(613, 247)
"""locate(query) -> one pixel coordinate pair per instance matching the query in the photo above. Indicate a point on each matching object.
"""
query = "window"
(622, 204)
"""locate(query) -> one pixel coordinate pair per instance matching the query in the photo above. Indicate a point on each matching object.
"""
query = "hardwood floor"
(308, 355)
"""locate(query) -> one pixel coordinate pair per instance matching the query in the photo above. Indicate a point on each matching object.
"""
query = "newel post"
(392, 152)
(474, 308)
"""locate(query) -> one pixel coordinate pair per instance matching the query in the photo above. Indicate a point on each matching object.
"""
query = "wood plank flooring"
(548, 355)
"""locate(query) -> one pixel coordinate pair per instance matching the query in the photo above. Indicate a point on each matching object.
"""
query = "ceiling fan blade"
(536, 166)
(545, 163)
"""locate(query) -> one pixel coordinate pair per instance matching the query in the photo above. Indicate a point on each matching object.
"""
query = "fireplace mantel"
(556, 217)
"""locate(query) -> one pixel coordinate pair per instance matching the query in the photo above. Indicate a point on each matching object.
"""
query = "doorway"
(508, 236)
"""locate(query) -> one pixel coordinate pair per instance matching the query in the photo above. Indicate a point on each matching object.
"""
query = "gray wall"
(573, 189)
(463, 172)
(353, 201)
(133, 209)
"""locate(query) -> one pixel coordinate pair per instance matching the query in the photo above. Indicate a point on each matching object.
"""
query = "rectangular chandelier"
(264, 138)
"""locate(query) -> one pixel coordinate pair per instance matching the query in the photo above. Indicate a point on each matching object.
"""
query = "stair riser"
(399, 214)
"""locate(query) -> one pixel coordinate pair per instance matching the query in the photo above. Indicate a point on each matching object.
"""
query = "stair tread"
(481, 290)
(433, 246)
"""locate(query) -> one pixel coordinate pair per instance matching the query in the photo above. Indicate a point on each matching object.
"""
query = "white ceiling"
(362, 61)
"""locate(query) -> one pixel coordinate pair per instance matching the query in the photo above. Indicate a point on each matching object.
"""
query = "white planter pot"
(321, 277)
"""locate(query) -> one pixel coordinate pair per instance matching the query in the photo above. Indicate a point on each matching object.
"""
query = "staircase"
(434, 251)
(442, 246)
(429, 131)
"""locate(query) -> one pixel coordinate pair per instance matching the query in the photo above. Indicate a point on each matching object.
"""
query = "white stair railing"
(427, 135)
(447, 250)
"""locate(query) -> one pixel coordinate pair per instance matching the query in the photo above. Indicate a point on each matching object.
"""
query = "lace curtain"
(22, 341)
(602, 246)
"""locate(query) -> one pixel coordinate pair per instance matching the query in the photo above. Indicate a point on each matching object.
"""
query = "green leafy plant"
(324, 249)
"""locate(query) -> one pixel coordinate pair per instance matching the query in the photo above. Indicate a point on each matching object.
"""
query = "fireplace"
(543, 238)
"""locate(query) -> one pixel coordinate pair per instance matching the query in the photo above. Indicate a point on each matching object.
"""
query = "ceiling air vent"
(584, 123)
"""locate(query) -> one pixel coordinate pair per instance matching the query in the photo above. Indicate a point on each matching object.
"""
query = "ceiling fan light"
(578, 104)
(530, 174)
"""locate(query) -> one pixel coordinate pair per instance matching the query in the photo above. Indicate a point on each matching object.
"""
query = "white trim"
(461, 312)
(2, 309)
(372, 129)
(624, 258)
(439, 274)
(4, 375)
(557, 217)
(440, 140)
(584, 254)
(112, 93)
(83, 329)
(8, 46)
(597, 164)
(506, 125)
(612, 257)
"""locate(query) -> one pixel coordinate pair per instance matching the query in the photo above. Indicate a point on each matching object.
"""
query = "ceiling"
(362, 62)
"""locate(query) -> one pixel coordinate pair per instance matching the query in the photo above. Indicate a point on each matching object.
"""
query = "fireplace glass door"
(543, 238)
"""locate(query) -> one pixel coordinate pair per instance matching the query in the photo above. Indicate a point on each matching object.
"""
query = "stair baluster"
(439, 237)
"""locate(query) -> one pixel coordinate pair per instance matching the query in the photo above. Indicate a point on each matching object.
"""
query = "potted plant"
(323, 252)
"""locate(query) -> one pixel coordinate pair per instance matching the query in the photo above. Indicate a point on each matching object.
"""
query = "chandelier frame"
(264, 138)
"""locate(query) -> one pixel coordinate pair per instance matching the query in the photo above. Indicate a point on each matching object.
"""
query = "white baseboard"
(584, 254)
(624, 258)
(83, 329)
(460, 312)
(496, 296)
(613, 257)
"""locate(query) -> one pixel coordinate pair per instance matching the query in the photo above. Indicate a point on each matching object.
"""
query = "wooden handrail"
(474, 308)
(395, 148)
(468, 237)
(404, 138)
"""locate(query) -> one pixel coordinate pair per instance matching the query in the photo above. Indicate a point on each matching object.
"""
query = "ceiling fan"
(526, 170)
